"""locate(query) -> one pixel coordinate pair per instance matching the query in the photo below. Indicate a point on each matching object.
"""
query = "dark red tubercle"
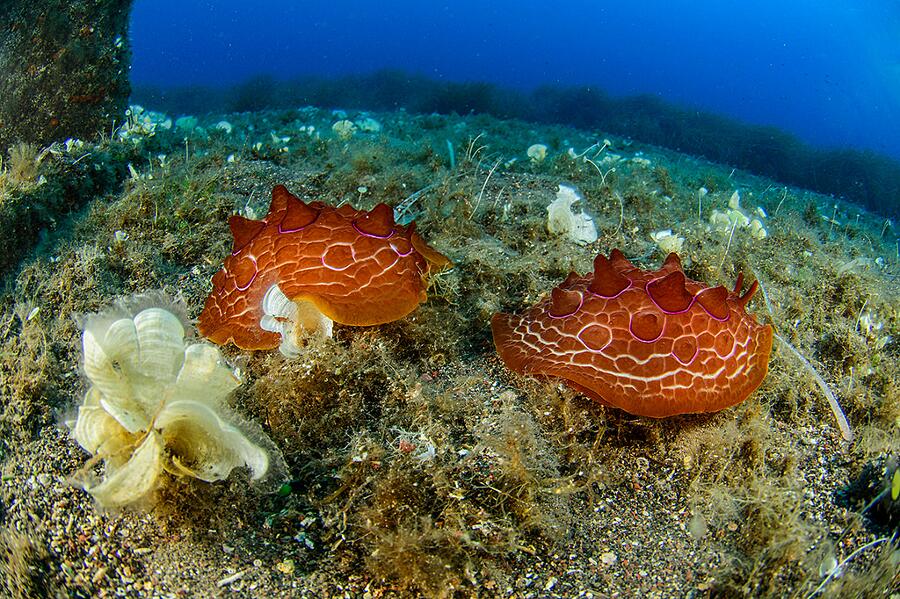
(672, 262)
(297, 215)
(646, 326)
(714, 301)
(669, 292)
(608, 281)
(378, 222)
(564, 302)
(244, 231)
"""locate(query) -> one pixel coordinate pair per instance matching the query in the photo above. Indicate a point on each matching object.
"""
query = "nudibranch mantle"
(306, 265)
(652, 343)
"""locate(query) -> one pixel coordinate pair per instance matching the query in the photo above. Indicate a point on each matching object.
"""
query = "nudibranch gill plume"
(652, 343)
(305, 266)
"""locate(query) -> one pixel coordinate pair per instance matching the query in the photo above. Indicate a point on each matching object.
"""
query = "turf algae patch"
(424, 478)
(479, 498)
(31, 209)
(745, 481)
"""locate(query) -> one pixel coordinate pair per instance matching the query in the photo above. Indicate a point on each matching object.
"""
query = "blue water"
(828, 72)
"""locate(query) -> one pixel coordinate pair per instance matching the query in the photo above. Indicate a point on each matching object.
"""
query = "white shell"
(108, 353)
(203, 376)
(149, 389)
(111, 355)
(96, 431)
(134, 480)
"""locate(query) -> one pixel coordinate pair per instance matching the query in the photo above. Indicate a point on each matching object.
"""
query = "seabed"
(418, 465)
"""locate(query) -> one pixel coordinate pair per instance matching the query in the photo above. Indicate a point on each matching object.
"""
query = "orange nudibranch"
(652, 343)
(306, 265)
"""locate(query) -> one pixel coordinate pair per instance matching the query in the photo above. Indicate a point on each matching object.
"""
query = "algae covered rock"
(65, 69)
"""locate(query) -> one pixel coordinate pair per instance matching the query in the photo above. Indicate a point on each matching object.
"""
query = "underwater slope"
(417, 463)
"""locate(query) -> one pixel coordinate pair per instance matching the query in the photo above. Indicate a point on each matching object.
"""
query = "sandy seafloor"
(531, 489)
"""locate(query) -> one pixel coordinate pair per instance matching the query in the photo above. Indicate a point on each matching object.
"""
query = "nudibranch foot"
(290, 318)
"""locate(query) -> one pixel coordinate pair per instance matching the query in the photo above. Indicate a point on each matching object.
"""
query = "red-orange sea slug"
(652, 343)
(306, 265)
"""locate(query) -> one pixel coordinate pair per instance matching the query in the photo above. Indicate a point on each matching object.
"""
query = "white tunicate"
(667, 241)
(368, 125)
(537, 153)
(561, 220)
(736, 217)
(344, 129)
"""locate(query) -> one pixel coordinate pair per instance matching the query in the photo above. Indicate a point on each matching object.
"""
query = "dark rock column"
(63, 69)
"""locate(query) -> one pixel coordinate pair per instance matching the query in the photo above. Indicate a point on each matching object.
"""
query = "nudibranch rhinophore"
(305, 266)
(652, 343)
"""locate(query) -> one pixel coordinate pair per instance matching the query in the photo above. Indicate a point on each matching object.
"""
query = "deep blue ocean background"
(827, 72)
